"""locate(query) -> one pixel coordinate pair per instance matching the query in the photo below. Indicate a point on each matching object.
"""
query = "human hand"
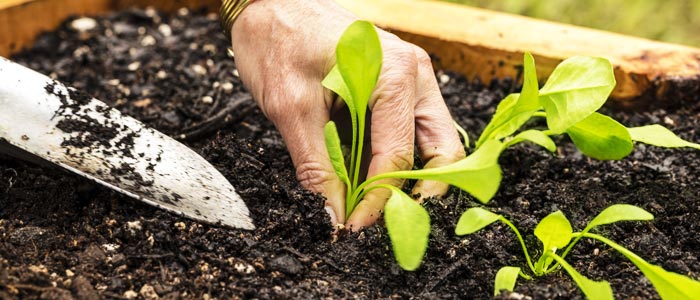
(283, 51)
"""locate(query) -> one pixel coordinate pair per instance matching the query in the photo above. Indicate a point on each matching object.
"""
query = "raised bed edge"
(470, 41)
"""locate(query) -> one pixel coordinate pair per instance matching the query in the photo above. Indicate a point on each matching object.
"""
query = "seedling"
(575, 90)
(555, 233)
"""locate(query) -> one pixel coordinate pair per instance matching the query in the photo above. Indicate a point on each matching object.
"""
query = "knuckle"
(397, 82)
(281, 104)
(399, 159)
(313, 176)
(451, 153)
(443, 153)
(422, 58)
(401, 59)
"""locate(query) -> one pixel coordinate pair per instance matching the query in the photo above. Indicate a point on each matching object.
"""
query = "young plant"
(555, 233)
(575, 90)
(353, 78)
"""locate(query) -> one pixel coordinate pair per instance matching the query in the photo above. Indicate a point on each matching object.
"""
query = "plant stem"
(358, 155)
(353, 152)
(523, 275)
(578, 236)
(522, 242)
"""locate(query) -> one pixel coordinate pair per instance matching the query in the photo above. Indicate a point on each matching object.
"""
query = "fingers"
(392, 130)
(436, 136)
(301, 122)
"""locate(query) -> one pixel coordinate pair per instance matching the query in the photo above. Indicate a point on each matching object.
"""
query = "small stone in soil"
(287, 264)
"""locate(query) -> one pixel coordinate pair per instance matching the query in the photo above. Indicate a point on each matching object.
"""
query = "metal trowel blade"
(45, 119)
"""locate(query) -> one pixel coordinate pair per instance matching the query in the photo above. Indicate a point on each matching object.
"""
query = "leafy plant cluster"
(568, 101)
(555, 233)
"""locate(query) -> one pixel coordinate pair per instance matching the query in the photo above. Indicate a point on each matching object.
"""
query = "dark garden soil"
(64, 237)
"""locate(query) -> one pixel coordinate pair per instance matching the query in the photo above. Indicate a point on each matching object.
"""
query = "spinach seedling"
(574, 91)
(555, 233)
(353, 78)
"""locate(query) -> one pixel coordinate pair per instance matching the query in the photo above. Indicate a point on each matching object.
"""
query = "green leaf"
(554, 231)
(601, 137)
(528, 100)
(617, 213)
(503, 113)
(593, 290)
(334, 82)
(478, 174)
(408, 224)
(516, 109)
(359, 60)
(335, 152)
(660, 136)
(474, 219)
(669, 285)
(536, 136)
(505, 279)
(576, 88)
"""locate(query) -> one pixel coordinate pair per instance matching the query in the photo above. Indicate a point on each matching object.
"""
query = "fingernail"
(331, 213)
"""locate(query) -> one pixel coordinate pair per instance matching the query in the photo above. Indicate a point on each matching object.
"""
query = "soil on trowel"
(65, 237)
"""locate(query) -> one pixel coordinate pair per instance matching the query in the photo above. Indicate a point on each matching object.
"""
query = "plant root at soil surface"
(63, 237)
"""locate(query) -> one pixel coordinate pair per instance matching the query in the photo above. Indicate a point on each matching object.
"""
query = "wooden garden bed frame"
(467, 40)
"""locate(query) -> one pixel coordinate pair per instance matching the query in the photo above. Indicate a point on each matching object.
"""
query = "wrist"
(229, 11)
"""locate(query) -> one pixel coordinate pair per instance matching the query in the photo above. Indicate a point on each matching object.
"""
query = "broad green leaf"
(334, 82)
(617, 213)
(478, 174)
(660, 136)
(554, 231)
(535, 136)
(474, 219)
(594, 290)
(408, 224)
(577, 87)
(511, 114)
(528, 100)
(669, 285)
(505, 279)
(601, 137)
(335, 152)
(359, 60)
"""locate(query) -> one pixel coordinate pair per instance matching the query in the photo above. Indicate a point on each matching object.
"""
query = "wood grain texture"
(489, 44)
(471, 41)
(22, 20)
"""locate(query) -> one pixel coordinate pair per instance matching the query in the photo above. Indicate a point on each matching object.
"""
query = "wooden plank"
(471, 41)
(22, 20)
(170, 5)
(489, 44)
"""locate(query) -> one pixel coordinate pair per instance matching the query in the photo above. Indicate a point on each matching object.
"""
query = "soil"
(64, 237)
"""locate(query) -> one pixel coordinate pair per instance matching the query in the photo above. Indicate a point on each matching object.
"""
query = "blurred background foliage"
(676, 21)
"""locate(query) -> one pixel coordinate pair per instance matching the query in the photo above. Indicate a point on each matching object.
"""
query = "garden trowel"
(43, 120)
